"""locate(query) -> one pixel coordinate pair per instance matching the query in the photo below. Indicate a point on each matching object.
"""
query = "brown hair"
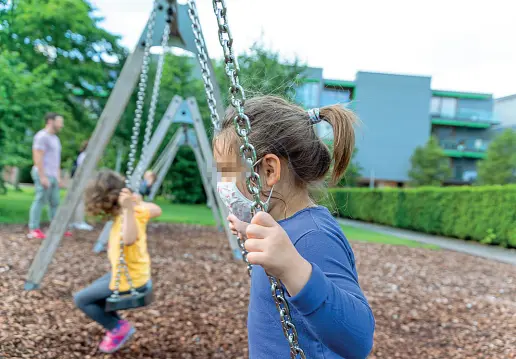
(101, 195)
(286, 130)
(50, 116)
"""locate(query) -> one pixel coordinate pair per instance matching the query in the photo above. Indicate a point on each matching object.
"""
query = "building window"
(443, 107)
(435, 106)
(331, 96)
(448, 107)
(308, 94)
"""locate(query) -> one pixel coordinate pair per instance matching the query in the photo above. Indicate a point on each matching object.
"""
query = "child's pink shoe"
(116, 338)
(36, 234)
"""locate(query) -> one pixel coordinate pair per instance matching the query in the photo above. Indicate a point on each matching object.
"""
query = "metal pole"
(103, 132)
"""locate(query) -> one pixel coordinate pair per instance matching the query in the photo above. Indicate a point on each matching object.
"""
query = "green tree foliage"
(62, 38)
(183, 182)
(430, 166)
(263, 72)
(24, 96)
(499, 167)
(55, 53)
(66, 35)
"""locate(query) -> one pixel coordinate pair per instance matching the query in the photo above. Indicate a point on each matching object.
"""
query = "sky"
(465, 45)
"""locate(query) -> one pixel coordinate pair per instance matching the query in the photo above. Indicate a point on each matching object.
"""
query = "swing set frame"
(185, 33)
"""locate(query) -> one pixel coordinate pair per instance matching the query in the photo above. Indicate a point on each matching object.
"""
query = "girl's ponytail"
(342, 121)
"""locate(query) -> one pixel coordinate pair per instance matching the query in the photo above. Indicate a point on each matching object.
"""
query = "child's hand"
(270, 247)
(126, 199)
(237, 227)
(138, 199)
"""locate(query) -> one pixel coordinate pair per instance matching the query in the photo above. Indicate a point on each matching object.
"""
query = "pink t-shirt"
(51, 147)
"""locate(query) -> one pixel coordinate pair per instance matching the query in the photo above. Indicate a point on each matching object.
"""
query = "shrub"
(485, 213)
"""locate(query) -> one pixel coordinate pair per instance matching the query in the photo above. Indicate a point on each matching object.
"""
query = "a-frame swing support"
(179, 112)
(181, 35)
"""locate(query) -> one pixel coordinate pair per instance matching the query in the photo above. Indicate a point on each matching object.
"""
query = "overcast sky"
(465, 45)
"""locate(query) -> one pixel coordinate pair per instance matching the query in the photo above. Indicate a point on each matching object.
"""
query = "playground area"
(187, 170)
(427, 302)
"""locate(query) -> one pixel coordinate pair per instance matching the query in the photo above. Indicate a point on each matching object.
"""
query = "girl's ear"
(271, 167)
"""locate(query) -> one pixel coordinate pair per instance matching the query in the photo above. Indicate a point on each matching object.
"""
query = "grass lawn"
(364, 235)
(14, 209)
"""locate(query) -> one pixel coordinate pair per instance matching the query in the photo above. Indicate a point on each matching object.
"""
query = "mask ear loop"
(267, 203)
(272, 189)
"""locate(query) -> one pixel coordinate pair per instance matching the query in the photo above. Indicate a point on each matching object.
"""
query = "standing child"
(106, 196)
(149, 178)
(295, 240)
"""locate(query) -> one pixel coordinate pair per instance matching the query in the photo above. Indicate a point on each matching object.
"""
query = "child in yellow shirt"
(107, 196)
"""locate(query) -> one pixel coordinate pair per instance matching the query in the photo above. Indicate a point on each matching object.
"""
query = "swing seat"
(126, 300)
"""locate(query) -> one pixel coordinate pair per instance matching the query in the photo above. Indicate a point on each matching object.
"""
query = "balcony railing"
(472, 148)
(480, 118)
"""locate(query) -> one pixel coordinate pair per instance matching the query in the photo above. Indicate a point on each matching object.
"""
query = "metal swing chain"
(153, 105)
(202, 55)
(241, 121)
(142, 86)
(248, 153)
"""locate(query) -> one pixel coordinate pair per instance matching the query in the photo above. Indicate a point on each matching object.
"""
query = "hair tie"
(313, 113)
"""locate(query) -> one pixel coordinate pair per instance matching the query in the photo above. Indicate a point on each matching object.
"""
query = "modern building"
(505, 111)
(399, 113)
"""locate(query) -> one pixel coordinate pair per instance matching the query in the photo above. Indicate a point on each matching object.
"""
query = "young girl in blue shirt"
(295, 240)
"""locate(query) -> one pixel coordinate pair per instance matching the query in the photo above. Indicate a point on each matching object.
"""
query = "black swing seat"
(126, 300)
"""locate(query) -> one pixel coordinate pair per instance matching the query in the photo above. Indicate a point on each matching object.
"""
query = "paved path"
(473, 248)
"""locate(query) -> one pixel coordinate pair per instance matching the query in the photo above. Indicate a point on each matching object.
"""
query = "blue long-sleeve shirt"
(331, 314)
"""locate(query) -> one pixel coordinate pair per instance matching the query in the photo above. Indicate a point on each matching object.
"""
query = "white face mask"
(237, 203)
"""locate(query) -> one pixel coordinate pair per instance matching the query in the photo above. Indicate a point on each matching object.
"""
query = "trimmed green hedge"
(485, 214)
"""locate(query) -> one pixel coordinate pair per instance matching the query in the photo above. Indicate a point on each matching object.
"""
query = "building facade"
(399, 113)
(505, 111)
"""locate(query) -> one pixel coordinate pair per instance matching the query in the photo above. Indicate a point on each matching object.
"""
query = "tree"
(64, 36)
(430, 166)
(499, 167)
(24, 97)
(183, 180)
(263, 72)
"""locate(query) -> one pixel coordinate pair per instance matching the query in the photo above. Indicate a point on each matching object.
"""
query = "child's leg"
(91, 300)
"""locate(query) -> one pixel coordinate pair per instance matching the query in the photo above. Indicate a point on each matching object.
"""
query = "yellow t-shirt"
(136, 255)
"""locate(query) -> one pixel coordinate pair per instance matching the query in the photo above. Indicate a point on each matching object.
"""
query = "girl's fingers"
(264, 219)
(232, 218)
(257, 258)
(256, 231)
(254, 245)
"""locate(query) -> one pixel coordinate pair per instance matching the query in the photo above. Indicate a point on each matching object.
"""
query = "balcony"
(469, 148)
(464, 117)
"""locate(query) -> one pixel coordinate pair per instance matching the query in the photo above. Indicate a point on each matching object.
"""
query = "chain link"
(142, 86)
(152, 110)
(248, 153)
(202, 55)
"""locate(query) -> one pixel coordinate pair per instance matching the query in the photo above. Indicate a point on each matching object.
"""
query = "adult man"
(46, 172)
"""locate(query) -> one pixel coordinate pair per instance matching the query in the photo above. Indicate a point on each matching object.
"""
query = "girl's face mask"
(237, 203)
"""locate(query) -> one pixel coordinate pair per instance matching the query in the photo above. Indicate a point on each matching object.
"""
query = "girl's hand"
(138, 199)
(270, 247)
(237, 227)
(126, 199)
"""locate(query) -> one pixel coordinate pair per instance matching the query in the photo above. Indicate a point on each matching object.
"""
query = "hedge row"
(485, 214)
